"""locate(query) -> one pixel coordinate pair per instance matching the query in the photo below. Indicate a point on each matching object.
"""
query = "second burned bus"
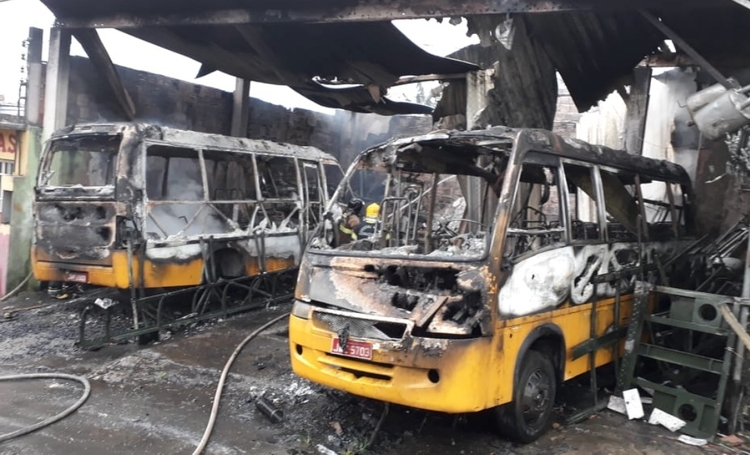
(127, 206)
(492, 251)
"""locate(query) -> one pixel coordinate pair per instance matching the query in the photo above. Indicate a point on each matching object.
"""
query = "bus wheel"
(528, 416)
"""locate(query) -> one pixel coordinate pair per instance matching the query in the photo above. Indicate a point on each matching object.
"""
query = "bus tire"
(529, 415)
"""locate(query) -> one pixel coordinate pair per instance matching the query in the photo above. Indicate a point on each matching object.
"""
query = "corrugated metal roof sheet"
(374, 53)
(593, 51)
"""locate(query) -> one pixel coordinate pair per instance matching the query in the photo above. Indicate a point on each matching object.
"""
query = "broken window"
(658, 210)
(437, 200)
(230, 176)
(536, 216)
(583, 203)
(173, 174)
(311, 186)
(621, 205)
(311, 181)
(231, 185)
(369, 186)
(85, 161)
(174, 188)
(333, 177)
(277, 177)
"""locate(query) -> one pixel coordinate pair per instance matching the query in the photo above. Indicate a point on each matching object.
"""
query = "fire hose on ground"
(23, 377)
(33, 376)
(222, 380)
(87, 392)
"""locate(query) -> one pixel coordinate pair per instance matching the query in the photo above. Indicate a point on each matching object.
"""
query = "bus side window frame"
(598, 199)
(304, 228)
(676, 214)
(541, 159)
(637, 196)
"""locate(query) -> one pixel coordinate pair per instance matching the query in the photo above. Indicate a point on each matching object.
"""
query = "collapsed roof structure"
(346, 53)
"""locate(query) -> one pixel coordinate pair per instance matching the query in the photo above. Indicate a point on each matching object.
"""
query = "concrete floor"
(156, 399)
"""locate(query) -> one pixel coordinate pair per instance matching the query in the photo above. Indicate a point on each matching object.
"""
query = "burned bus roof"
(194, 139)
(501, 138)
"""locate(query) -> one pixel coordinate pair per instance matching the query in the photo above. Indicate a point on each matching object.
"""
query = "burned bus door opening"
(312, 191)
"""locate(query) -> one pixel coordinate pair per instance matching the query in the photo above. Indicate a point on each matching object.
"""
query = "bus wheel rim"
(536, 397)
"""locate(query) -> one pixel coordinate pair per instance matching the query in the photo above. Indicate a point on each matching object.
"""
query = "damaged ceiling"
(316, 48)
(297, 55)
(595, 52)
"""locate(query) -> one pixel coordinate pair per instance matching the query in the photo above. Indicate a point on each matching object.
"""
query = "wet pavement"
(156, 399)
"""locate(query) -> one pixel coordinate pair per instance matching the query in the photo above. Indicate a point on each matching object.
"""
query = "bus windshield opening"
(428, 200)
(88, 161)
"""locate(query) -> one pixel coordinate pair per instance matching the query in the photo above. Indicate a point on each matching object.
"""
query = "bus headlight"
(301, 309)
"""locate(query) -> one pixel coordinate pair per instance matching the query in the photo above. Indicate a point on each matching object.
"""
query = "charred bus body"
(145, 208)
(499, 255)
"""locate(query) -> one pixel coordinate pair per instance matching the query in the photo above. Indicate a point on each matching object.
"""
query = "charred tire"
(529, 415)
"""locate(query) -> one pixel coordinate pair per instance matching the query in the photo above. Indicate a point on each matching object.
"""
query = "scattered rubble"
(156, 398)
(668, 421)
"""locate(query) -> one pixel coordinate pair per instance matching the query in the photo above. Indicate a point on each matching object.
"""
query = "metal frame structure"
(150, 312)
(694, 312)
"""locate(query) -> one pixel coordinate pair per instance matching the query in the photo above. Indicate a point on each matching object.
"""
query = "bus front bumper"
(452, 376)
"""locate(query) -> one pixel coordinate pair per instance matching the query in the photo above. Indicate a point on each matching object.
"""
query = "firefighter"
(369, 225)
(349, 221)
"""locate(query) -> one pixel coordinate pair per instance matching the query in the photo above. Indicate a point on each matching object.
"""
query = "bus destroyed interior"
(168, 216)
(437, 197)
(416, 185)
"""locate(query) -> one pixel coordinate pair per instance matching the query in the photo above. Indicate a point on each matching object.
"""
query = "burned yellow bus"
(147, 208)
(500, 261)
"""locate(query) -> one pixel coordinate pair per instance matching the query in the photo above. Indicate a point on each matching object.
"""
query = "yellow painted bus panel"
(156, 275)
(475, 374)
(399, 376)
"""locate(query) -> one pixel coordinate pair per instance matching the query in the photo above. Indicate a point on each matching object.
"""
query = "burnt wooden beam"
(99, 57)
(637, 104)
(680, 43)
(359, 11)
(213, 57)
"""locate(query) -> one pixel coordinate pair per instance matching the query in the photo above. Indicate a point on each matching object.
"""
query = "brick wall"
(566, 116)
(157, 99)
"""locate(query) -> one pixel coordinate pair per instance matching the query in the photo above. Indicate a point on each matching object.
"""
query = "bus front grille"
(359, 327)
(358, 368)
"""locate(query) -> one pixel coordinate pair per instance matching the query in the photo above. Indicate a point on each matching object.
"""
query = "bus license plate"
(77, 277)
(357, 349)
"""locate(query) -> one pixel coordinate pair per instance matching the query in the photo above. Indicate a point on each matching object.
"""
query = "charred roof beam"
(353, 11)
(688, 49)
(92, 44)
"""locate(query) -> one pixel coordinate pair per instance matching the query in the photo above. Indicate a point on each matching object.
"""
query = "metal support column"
(58, 76)
(34, 81)
(635, 119)
(241, 108)
(478, 85)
